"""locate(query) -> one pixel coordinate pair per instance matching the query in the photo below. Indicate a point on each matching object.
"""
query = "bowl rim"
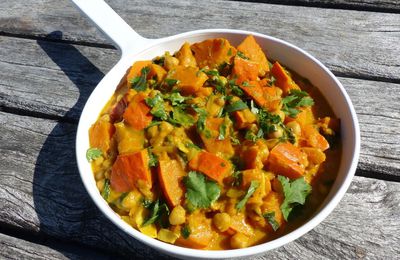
(179, 251)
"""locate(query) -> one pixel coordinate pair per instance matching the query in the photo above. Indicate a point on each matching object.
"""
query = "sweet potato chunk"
(253, 51)
(211, 165)
(213, 52)
(314, 138)
(254, 90)
(135, 70)
(100, 134)
(288, 160)
(245, 70)
(157, 72)
(128, 139)
(170, 174)
(137, 114)
(190, 79)
(244, 118)
(210, 140)
(129, 169)
(283, 79)
(201, 232)
(185, 56)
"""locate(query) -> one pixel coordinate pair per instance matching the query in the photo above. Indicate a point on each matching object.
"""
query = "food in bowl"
(214, 147)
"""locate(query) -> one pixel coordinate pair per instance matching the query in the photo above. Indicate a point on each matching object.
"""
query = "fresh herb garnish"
(171, 82)
(268, 122)
(179, 116)
(158, 209)
(175, 98)
(106, 189)
(157, 106)
(250, 135)
(296, 99)
(253, 186)
(295, 193)
(201, 193)
(93, 153)
(201, 121)
(222, 129)
(270, 216)
(191, 145)
(185, 231)
(153, 161)
(139, 83)
(241, 55)
(146, 203)
(235, 106)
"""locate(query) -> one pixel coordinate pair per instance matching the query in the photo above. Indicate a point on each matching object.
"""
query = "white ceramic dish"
(134, 47)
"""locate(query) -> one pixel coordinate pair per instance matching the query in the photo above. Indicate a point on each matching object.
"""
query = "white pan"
(134, 47)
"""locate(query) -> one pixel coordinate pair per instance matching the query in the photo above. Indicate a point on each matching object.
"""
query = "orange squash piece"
(136, 69)
(185, 56)
(170, 174)
(158, 72)
(314, 138)
(137, 114)
(201, 232)
(288, 160)
(253, 51)
(190, 79)
(243, 118)
(100, 134)
(128, 169)
(213, 52)
(272, 203)
(245, 70)
(211, 142)
(211, 165)
(254, 90)
(283, 79)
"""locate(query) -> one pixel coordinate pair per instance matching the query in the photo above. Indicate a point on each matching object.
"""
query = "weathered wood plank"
(367, 5)
(55, 80)
(41, 192)
(18, 249)
(342, 39)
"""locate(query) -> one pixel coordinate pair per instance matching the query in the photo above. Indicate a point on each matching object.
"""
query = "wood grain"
(18, 249)
(352, 43)
(367, 5)
(54, 80)
(41, 192)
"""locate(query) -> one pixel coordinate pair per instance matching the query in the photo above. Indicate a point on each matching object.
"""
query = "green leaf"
(93, 153)
(296, 99)
(241, 55)
(238, 105)
(201, 193)
(181, 117)
(139, 83)
(106, 189)
(171, 82)
(295, 193)
(222, 130)
(157, 107)
(201, 121)
(175, 98)
(185, 231)
(153, 161)
(191, 145)
(253, 187)
(213, 72)
(268, 122)
(254, 137)
(157, 210)
(270, 216)
(146, 203)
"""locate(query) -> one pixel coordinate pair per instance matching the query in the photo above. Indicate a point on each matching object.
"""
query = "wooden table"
(51, 58)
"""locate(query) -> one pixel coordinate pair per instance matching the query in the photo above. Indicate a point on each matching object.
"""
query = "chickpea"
(100, 185)
(177, 216)
(295, 127)
(170, 62)
(239, 240)
(222, 221)
(277, 134)
(153, 131)
(166, 127)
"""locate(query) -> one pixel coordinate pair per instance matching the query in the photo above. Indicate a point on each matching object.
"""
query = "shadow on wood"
(64, 209)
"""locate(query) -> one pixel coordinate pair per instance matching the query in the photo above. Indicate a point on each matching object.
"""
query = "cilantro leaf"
(106, 189)
(295, 99)
(222, 129)
(253, 186)
(179, 116)
(139, 83)
(241, 55)
(202, 116)
(295, 192)
(171, 82)
(93, 153)
(238, 105)
(175, 98)
(158, 209)
(153, 160)
(250, 135)
(268, 122)
(201, 193)
(185, 231)
(270, 216)
(157, 107)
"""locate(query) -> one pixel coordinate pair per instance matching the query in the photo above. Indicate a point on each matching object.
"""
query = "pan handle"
(112, 25)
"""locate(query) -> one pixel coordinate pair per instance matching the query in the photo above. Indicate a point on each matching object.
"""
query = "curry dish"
(214, 147)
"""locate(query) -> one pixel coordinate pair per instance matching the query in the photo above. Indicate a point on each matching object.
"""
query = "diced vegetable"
(272, 203)
(137, 114)
(100, 134)
(211, 165)
(128, 169)
(129, 140)
(288, 160)
(190, 79)
(201, 233)
(136, 69)
(213, 52)
(210, 134)
(170, 174)
(185, 56)
(314, 138)
(283, 79)
(250, 48)
(245, 70)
